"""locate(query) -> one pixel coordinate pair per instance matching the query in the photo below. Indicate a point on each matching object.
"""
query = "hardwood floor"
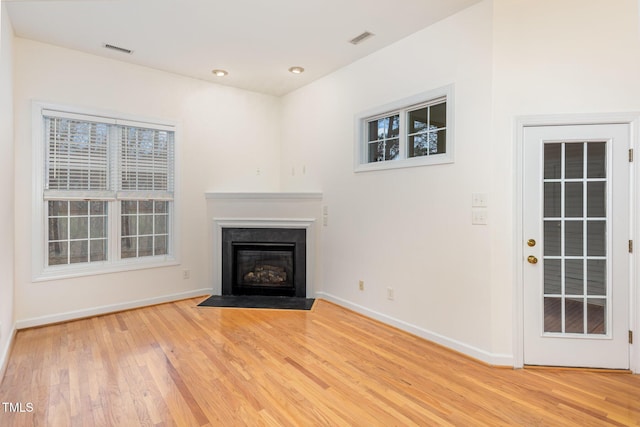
(181, 365)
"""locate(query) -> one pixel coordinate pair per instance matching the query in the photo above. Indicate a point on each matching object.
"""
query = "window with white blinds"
(146, 156)
(77, 154)
(107, 190)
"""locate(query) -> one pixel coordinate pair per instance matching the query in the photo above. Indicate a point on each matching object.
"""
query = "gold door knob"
(531, 242)
(532, 259)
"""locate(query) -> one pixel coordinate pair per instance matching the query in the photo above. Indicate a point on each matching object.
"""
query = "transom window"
(411, 132)
(107, 192)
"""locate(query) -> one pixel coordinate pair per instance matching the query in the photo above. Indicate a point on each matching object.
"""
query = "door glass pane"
(552, 161)
(553, 315)
(552, 199)
(574, 315)
(596, 315)
(596, 199)
(573, 199)
(552, 277)
(552, 238)
(574, 160)
(573, 277)
(596, 238)
(574, 248)
(573, 238)
(597, 277)
(596, 160)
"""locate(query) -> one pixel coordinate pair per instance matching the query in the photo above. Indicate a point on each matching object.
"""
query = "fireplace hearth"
(264, 261)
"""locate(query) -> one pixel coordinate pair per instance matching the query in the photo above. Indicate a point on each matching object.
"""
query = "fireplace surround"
(263, 261)
(265, 210)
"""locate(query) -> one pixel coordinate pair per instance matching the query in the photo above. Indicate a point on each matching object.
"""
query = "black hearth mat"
(255, 301)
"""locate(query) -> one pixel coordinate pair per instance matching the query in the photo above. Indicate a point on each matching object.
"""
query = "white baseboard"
(4, 353)
(471, 351)
(105, 309)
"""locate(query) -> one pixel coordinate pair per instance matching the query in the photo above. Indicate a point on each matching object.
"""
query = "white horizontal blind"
(77, 155)
(146, 161)
(87, 158)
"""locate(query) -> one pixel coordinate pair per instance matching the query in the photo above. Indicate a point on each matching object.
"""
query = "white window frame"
(40, 270)
(402, 107)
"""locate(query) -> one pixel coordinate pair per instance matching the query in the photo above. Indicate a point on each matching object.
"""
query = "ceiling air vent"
(117, 48)
(362, 37)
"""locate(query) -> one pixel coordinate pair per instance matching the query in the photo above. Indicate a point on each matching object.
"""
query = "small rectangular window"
(411, 132)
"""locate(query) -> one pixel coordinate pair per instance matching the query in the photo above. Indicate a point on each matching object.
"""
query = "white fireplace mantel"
(216, 195)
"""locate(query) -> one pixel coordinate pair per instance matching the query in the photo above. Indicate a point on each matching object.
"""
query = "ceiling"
(256, 41)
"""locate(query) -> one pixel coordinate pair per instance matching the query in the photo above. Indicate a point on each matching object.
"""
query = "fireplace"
(264, 261)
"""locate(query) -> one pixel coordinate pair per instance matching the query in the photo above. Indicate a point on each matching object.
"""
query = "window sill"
(68, 272)
(437, 159)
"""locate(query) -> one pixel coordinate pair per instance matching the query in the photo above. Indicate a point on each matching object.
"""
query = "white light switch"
(479, 217)
(479, 200)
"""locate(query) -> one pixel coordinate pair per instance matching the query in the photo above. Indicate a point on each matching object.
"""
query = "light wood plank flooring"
(181, 365)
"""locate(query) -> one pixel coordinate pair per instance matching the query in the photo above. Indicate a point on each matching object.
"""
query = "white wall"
(6, 188)
(226, 135)
(551, 57)
(409, 229)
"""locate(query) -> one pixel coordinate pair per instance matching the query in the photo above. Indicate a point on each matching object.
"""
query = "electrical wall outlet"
(186, 274)
(361, 285)
(390, 295)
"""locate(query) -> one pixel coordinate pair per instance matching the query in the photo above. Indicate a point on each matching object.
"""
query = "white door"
(576, 245)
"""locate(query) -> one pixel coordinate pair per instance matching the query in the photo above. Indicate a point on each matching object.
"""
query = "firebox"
(264, 261)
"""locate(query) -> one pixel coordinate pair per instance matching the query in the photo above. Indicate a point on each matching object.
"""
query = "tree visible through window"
(427, 133)
(384, 141)
(411, 132)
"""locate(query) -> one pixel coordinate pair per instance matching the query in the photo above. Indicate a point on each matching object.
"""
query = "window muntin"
(95, 169)
(414, 131)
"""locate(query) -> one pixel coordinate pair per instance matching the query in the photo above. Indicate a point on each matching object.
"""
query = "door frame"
(522, 122)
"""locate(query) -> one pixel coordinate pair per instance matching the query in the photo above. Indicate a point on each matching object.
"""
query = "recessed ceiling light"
(220, 73)
(296, 70)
